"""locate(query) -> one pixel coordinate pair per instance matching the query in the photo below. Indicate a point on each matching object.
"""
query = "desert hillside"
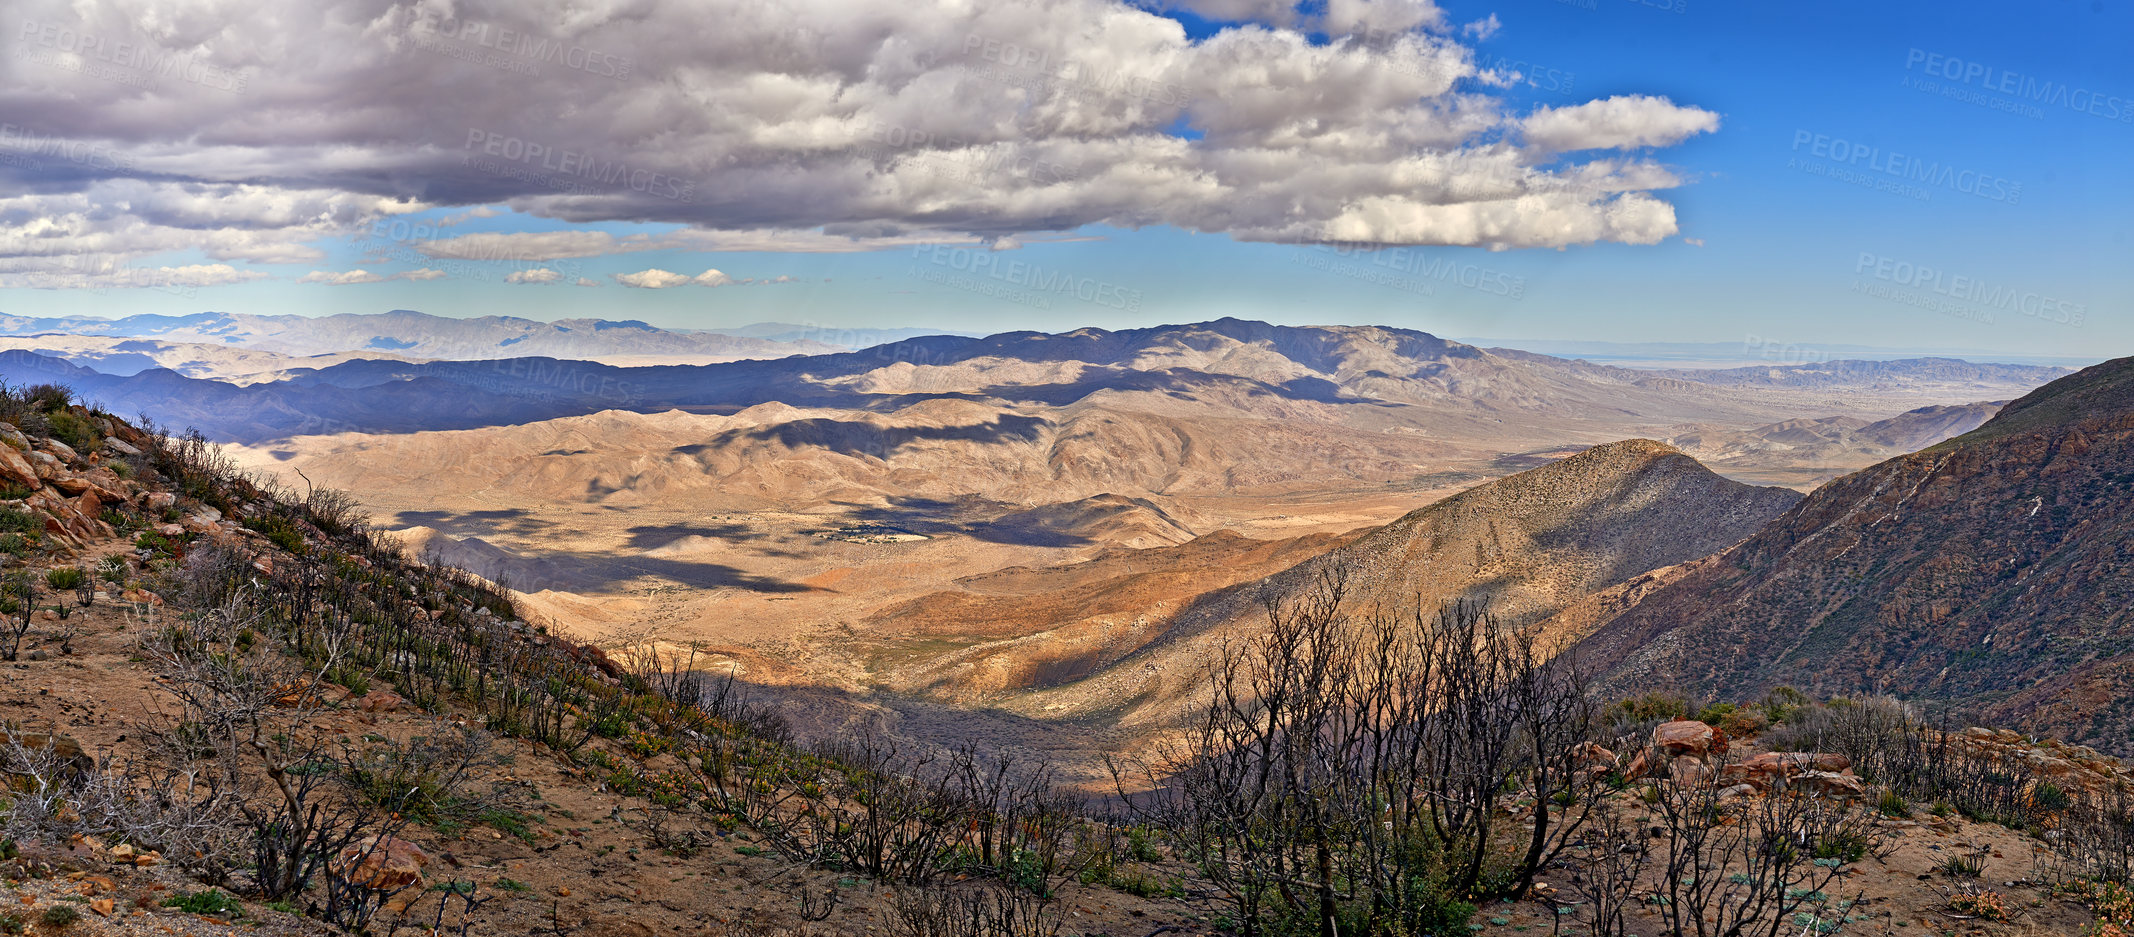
(1988, 571)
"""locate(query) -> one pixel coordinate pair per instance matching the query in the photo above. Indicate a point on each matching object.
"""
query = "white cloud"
(346, 278)
(712, 278)
(354, 277)
(588, 281)
(97, 272)
(808, 125)
(653, 279)
(535, 275)
(1620, 122)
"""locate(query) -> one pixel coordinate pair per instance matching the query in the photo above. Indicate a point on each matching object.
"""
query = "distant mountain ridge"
(1375, 375)
(1993, 571)
(410, 334)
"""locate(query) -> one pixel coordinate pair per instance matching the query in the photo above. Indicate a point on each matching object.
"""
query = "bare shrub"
(1753, 866)
(248, 706)
(983, 910)
(1354, 775)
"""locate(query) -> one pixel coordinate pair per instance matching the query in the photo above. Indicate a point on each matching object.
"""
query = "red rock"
(16, 470)
(1686, 770)
(389, 864)
(381, 701)
(1639, 766)
(1828, 784)
(1682, 737)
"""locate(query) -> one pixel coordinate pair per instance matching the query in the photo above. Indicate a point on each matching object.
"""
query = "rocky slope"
(1992, 572)
(1527, 544)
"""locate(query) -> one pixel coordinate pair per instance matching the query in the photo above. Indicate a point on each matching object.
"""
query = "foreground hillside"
(1991, 571)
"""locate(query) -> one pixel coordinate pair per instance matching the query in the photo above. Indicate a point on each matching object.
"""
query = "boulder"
(1830, 784)
(65, 452)
(1683, 737)
(381, 701)
(1768, 768)
(1728, 795)
(1593, 759)
(120, 446)
(46, 464)
(159, 500)
(13, 437)
(16, 470)
(1686, 770)
(387, 864)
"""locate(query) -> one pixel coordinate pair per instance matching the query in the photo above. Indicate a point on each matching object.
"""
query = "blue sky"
(1842, 199)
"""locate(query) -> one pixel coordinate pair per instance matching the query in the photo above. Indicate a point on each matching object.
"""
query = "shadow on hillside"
(990, 521)
(475, 523)
(654, 536)
(858, 437)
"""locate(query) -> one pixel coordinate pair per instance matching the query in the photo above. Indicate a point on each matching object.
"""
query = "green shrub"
(1716, 713)
(2048, 797)
(1782, 702)
(211, 901)
(60, 916)
(77, 432)
(1894, 806)
(19, 521)
(11, 923)
(1650, 707)
(63, 578)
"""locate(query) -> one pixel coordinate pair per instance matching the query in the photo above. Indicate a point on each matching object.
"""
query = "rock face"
(1991, 571)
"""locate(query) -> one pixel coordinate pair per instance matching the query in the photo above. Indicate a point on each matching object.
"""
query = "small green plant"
(113, 569)
(2048, 797)
(512, 884)
(60, 916)
(1893, 805)
(283, 905)
(211, 901)
(63, 578)
(1962, 867)
(12, 923)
